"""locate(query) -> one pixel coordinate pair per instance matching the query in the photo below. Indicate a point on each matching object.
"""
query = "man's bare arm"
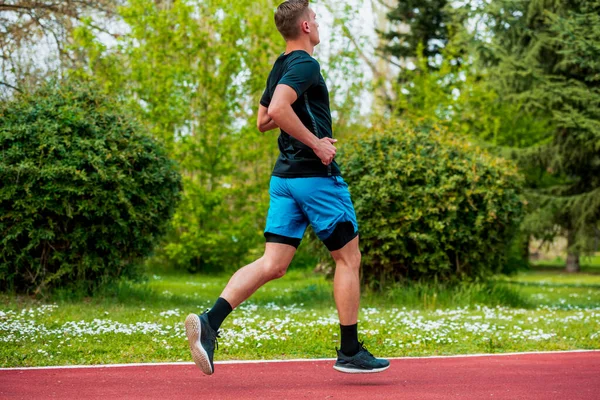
(264, 122)
(280, 110)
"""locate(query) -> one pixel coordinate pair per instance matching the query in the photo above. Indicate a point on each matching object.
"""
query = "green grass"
(294, 317)
(588, 264)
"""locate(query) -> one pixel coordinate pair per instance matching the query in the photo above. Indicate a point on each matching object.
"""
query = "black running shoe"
(202, 339)
(362, 362)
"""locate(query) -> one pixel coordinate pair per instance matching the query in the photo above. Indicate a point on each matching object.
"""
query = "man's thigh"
(286, 221)
(327, 204)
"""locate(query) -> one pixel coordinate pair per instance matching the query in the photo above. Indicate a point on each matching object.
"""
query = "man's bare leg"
(352, 356)
(247, 280)
(202, 330)
(346, 282)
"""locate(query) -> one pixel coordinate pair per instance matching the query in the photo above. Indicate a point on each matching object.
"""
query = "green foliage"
(421, 93)
(85, 191)
(194, 72)
(545, 57)
(463, 95)
(517, 255)
(429, 205)
(427, 23)
(202, 242)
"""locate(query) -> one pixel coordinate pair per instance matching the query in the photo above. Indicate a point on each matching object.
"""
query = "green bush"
(210, 234)
(429, 205)
(85, 192)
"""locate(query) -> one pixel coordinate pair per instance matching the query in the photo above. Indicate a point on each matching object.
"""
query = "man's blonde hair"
(287, 15)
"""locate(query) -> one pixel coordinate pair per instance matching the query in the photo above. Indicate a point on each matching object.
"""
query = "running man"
(306, 187)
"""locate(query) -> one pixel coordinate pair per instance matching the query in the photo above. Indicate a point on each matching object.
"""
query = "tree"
(544, 54)
(34, 35)
(420, 34)
(459, 92)
(416, 22)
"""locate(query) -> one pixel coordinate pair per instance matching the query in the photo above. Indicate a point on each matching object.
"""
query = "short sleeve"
(265, 100)
(301, 75)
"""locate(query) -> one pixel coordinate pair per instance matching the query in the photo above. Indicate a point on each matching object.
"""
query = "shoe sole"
(359, 371)
(193, 330)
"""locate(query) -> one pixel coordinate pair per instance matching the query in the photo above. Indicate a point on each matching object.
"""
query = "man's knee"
(350, 260)
(348, 257)
(274, 269)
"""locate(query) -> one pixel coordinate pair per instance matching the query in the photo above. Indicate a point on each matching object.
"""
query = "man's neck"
(299, 45)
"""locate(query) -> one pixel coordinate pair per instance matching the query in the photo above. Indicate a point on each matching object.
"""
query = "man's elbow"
(274, 112)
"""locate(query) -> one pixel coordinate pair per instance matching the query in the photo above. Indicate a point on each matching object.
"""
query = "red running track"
(567, 375)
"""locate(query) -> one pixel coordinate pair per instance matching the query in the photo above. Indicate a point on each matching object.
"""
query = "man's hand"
(325, 150)
(282, 113)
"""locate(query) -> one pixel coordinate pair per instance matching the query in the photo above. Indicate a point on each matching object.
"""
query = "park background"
(134, 180)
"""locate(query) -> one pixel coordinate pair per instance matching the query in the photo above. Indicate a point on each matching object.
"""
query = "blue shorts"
(322, 202)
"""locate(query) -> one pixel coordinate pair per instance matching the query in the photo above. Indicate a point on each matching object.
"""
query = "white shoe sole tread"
(193, 331)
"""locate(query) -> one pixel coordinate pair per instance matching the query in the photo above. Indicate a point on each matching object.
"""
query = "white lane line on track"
(283, 361)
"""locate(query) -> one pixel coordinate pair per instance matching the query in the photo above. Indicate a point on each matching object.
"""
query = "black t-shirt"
(302, 73)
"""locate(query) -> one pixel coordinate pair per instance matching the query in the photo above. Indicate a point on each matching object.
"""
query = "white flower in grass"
(169, 313)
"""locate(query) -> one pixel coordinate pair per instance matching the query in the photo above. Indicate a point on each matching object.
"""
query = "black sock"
(218, 313)
(349, 339)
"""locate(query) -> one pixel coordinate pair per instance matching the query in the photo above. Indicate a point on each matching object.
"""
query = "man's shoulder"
(302, 58)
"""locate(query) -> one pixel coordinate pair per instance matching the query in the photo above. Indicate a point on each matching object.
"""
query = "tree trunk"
(573, 262)
(572, 255)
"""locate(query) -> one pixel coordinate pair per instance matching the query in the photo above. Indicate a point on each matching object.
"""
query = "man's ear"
(305, 27)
